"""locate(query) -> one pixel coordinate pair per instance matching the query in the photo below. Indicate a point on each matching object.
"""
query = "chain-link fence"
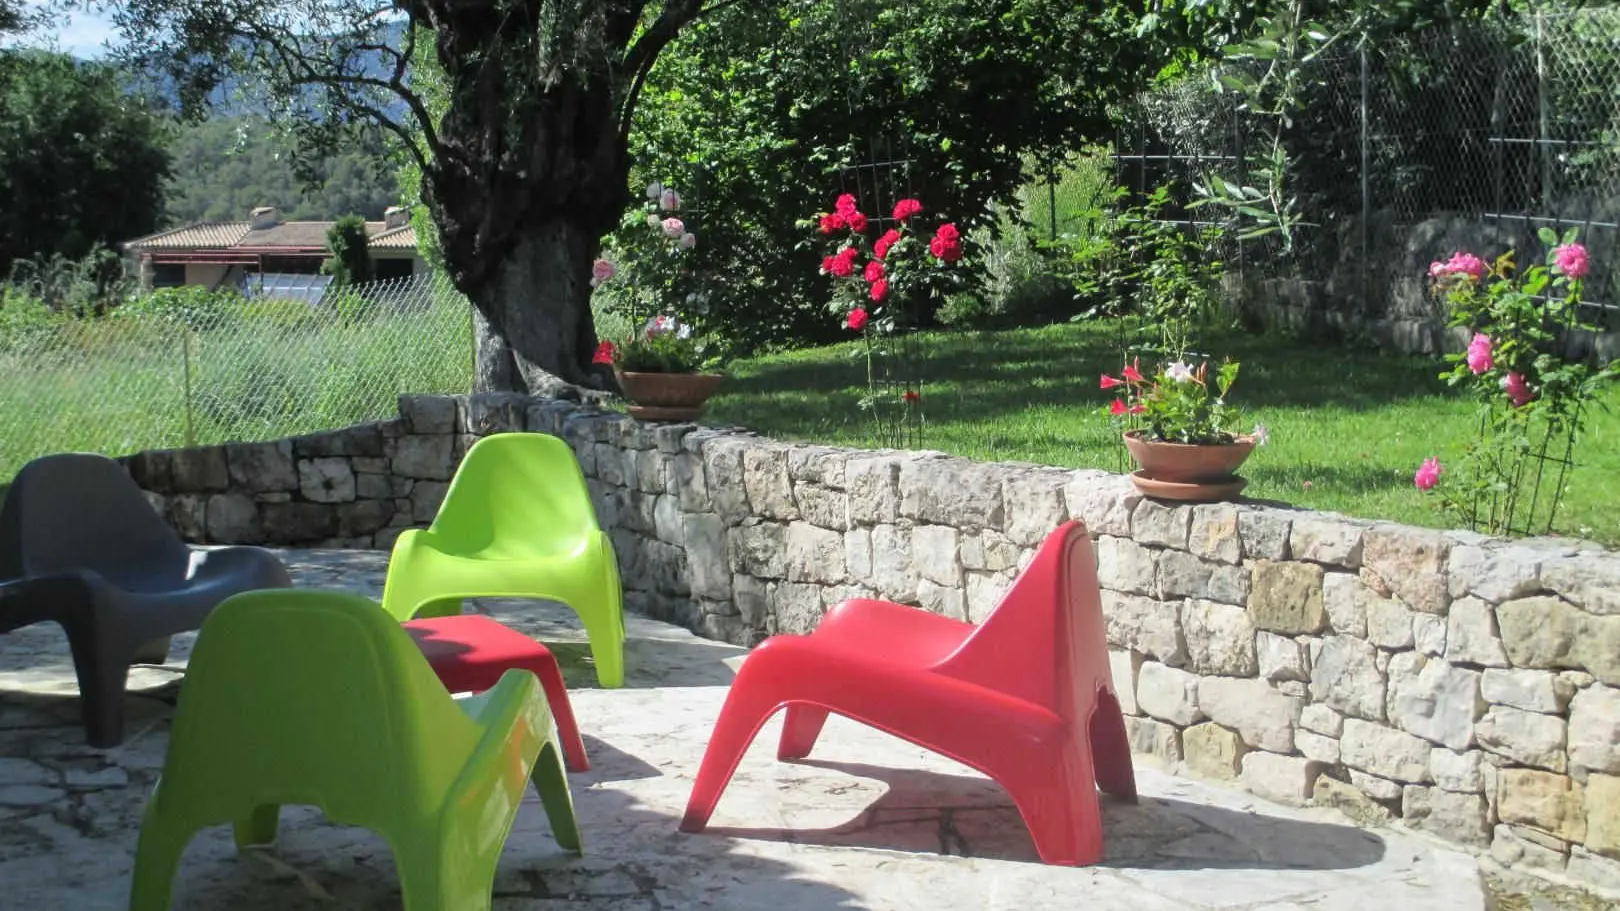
(258, 369)
(1469, 136)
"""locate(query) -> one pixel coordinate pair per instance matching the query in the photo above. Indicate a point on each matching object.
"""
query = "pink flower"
(857, 318)
(906, 208)
(880, 289)
(845, 205)
(881, 248)
(673, 227)
(602, 270)
(1109, 382)
(1460, 264)
(1428, 474)
(687, 241)
(1133, 371)
(1571, 260)
(1479, 354)
(1518, 391)
(669, 201)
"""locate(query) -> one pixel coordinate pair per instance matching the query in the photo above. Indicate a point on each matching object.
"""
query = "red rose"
(604, 353)
(857, 319)
(880, 289)
(827, 264)
(948, 233)
(845, 205)
(831, 223)
(843, 264)
(874, 271)
(949, 251)
(856, 222)
(881, 248)
(906, 208)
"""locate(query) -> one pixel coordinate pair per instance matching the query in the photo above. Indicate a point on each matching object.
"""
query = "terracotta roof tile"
(201, 235)
(393, 238)
(305, 234)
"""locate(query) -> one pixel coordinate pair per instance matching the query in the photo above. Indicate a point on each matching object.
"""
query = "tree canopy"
(82, 161)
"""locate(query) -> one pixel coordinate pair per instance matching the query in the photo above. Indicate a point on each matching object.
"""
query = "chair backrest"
(523, 491)
(1045, 641)
(77, 510)
(300, 696)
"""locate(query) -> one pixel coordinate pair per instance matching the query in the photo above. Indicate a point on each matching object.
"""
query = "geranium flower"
(1479, 354)
(1179, 372)
(673, 227)
(605, 352)
(1518, 390)
(881, 248)
(1571, 260)
(602, 270)
(857, 318)
(1133, 372)
(1428, 474)
(1117, 407)
(906, 208)
(1109, 382)
(669, 201)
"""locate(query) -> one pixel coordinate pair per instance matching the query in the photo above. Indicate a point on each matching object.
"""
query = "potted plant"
(1180, 430)
(665, 366)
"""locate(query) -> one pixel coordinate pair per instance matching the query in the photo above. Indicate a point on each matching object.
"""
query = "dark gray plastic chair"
(81, 545)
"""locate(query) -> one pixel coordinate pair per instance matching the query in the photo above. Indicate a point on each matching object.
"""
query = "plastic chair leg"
(423, 885)
(102, 673)
(259, 828)
(154, 652)
(552, 783)
(1111, 749)
(800, 729)
(607, 647)
(1058, 802)
(157, 860)
(573, 746)
(743, 714)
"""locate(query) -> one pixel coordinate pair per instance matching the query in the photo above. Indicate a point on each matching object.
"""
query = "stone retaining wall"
(1468, 686)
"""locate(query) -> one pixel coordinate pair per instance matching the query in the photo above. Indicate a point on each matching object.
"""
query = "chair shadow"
(925, 812)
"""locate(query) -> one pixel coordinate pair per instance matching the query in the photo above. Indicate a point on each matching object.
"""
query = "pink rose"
(669, 201)
(1428, 474)
(673, 227)
(1518, 391)
(602, 270)
(1571, 260)
(1460, 264)
(1479, 354)
(687, 241)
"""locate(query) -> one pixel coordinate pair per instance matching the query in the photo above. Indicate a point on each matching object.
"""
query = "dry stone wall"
(1467, 686)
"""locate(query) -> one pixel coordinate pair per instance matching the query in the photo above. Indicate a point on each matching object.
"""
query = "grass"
(1348, 427)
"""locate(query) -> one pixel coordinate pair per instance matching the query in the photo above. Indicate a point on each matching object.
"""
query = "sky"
(82, 34)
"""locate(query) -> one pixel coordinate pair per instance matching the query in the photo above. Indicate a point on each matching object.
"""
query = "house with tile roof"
(265, 253)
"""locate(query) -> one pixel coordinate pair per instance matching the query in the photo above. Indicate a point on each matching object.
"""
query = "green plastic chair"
(315, 697)
(517, 522)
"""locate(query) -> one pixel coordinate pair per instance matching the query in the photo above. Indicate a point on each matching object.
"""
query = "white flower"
(1261, 434)
(1179, 372)
(655, 190)
(669, 201)
(688, 241)
(654, 221)
(660, 325)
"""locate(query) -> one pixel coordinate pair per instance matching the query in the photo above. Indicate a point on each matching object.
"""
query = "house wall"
(1461, 685)
(209, 275)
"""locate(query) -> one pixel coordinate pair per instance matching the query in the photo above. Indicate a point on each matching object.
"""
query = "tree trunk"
(533, 322)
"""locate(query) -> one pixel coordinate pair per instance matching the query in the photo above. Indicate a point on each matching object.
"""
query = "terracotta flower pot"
(667, 396)
(1188, 471)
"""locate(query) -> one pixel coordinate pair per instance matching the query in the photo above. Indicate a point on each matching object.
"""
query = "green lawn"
(1348, 427)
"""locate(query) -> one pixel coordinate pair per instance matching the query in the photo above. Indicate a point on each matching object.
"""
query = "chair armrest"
(257, 566)
(32, 599)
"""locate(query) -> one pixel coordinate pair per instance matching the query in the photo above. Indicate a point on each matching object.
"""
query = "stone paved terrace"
(870, 822)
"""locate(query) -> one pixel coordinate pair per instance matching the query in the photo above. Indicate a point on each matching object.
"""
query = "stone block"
(1331, 541)
(1147, 626)
(988, 550)
(814, 554)
(1429, 634)
(150, 470)
(1594, 729)
(428, 414)
(358, 440)
(945, 600)
(1264, 534)
(1547, 632)
(612, 464)
(1316, 746)
(1034, 505)
(1345, 599)
(1384, 751)
(1345, 677)
(1281, 658)
(1262, 716)
(1125, 566)
(759, 549)
(1493, 572)
(1542, 800)
(686, 477)
(1380, 789)
(1182, 575)
(1455, 771)
(947, 491)
(1213, 533)
(261, 467)
(1454, 816)
(858, 553)
(667, 520)
(874, 489)
(894, 572)
(1594, 871)
(984, 592)
(233, 518)
(1349, 800)
(326, 480)
(1122, 667)
(1154, 738)
(765, 479)
(298, 523)
(1411, 562)
(426, 498)
(933, 549)
(798, 607)
(489, 413)
(1168, 693)
(823, 506)
(364, 517)
(1321, 719)
(200, 469)
(1524, 737)
(1159, 525)
(426, 456)
(187, 512)
(1433, 699)
(1592, 581)
(753, 600)
(723, 478)
(1284, 779)
(1287, 598)
(1510, 848)
(1213, 751)
(822, 465)
(704, 536)
(1102, 501)
(667, 437)
(1220, 639)
(1471, 634)
(1603, 815)
(373, 487)
(1533, 691)
(1389, 623)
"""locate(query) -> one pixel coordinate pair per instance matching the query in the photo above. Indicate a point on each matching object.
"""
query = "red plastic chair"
(1025, 697)
(470, 653)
